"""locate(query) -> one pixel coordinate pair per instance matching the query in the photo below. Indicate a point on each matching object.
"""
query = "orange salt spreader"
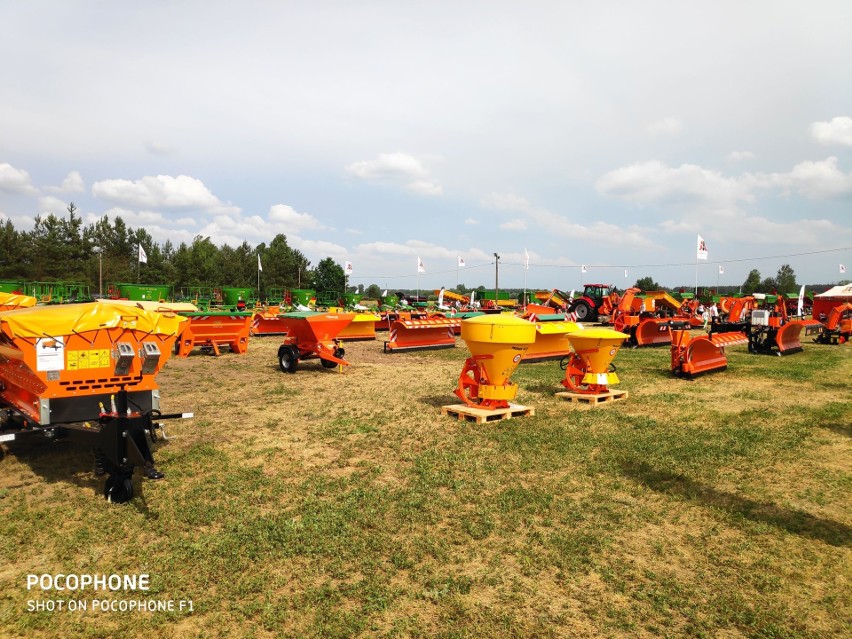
(497, 344)
(86, 372)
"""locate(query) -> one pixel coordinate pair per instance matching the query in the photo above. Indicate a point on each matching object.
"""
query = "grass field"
(323, 504)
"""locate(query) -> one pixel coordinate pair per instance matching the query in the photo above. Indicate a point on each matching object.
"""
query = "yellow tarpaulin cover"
(16, 300)
(160, 307)
(67, 319)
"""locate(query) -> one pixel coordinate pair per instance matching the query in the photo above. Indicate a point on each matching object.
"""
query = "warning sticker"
(50, 353)
(81, 360)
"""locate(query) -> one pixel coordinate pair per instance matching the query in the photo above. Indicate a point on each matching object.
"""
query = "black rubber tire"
(118, 489)
(288, 359)
(583, 311)
(338, 353)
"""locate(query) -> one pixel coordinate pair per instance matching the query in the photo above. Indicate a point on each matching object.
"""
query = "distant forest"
(64, 249)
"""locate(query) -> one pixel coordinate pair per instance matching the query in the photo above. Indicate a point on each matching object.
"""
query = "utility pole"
(496, 279)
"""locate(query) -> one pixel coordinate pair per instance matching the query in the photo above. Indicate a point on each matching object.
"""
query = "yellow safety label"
(95, 358)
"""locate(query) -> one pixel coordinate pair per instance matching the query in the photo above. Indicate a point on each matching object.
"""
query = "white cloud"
(740, 156)
(836, 132)
(397, 168)
(158, 148)
(162, 191)
(666, 126)
(654, 182)
(470, 221)
(286, 217)
(14, 180)
(816, 180)
(49, 204)
(73, 183)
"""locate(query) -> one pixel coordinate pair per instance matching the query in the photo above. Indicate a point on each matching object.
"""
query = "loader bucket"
(422, 334)
(788, 336)
(214, 329)
(497, 343)
(362, 327)
(594, 350)
(653, 332)
(551, 339)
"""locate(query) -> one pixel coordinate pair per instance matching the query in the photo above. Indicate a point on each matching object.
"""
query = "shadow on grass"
(840, 429)
(793, 521)
(70, 463)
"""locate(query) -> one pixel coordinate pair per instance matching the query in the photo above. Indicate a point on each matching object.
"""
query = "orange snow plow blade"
(653, 332)
(788, 337)
(407, 335)
(693, 356)
(362, 327)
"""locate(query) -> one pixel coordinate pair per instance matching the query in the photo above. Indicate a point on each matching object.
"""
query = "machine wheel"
(288, 360)
(584, 312)
(118, 489)
(338, 353)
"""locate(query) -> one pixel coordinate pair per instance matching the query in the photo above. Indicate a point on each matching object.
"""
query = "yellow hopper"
(589, 369)
(497, 344)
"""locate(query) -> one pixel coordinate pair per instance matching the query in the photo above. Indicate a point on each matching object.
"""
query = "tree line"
(64, 249)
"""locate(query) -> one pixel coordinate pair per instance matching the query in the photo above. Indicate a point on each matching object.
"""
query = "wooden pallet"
(464, 412)
(594, 400)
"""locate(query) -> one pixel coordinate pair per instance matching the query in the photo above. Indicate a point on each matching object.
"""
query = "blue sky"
(608, 134)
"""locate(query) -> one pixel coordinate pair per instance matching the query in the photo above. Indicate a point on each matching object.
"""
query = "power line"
(672, 264)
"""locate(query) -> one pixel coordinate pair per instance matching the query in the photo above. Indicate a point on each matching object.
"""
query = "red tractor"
(597, 299)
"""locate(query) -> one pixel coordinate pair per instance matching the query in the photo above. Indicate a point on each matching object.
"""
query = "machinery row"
(87, 371)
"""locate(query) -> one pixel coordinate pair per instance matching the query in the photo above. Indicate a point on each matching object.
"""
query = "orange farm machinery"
(642, 328)
(694, 356)
(311, 334)
(211, 330)
(86, 372)
(551, 337)
(362, 327)
(769, 330)
(422, 334)
(838, 325)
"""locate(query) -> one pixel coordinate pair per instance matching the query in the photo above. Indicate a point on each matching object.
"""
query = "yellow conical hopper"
(587, 370)
(497, 344)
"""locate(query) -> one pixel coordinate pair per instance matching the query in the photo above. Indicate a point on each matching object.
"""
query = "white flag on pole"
(702, 249)
(420, 267)
(143, 257)
(842, 268)
(347, 269)
(259, 265)
(625, 272)
(721, 270)
(461, 262)
(583, 268)
(526, 259)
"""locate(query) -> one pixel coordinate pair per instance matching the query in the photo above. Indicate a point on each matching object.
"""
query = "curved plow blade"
(408, 335)
(788, 337)
(653, 332)
(703, 356)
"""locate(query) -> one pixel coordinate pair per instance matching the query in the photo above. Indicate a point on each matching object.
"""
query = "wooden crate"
(594, 400)
(463, 412)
